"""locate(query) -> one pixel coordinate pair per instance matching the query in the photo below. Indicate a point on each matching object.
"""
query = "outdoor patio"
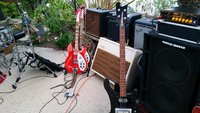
(33, 93)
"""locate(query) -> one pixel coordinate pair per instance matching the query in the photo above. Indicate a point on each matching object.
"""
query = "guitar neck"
(81, 25)
(76, 36)
(122, 63)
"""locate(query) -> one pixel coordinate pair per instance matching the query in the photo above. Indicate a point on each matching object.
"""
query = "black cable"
(58, 93)
(1, 100)
(65, 84)
(34, 78)
(51, 100)
(74, 105)
(7, 92)
(60, 103)
(75, 92)
(77, 83)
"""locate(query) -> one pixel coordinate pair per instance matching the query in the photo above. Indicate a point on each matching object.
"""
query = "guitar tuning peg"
(118, 16)
(118, 10)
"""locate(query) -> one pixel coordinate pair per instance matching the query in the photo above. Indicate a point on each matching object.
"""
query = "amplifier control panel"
(187, 16)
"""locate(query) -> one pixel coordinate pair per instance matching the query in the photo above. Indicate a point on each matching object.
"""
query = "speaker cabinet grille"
(106, 60)
(108, 65)
(96, 22)
(170, 74)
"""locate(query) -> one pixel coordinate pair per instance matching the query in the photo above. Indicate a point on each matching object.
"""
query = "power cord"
(60, 103)
(56, 94)
(76, 94)
(1, 99)
(33, 78)
(54, 97)
(74, 105)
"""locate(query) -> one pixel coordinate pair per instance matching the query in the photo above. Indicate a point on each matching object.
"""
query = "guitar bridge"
(123, 110)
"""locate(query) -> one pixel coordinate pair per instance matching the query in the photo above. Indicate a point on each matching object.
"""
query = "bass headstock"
(121, 12)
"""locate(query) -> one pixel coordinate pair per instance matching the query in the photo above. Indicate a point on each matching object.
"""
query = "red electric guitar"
(87, 56)
(76, 62)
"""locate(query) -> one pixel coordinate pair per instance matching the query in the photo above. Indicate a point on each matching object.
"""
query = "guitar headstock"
(78, 12)
(83, 11)
(121, 12)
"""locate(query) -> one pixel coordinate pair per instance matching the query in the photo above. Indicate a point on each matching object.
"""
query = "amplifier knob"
(173, 18)
(190, 21)
(183, 20)
(176, 19)
(179, 19)
(186, 21)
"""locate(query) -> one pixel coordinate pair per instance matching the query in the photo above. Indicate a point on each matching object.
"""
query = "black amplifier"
(96, 22)
(113, 27)
(178, 31)
(183, 15)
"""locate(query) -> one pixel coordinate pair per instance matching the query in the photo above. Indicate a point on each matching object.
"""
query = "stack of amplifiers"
(113, 27)
(179, 31)
(96, 22)
(183, 15)
(143, 25)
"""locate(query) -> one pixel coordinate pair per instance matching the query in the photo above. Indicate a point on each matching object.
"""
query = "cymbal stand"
(29, 55)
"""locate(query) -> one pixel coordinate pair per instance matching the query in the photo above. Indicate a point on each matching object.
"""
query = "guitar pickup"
(123, 110)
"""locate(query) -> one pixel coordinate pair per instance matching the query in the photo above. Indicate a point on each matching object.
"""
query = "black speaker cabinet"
(113, 27)
(170, 78)
(96, 22)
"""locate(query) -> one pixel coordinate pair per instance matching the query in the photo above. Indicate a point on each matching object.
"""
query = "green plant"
(80, 2)
(30, 5)
(104, 4)
(152, 8)
(9, 9)
(57, 15)
(163, 4)
(64, 40)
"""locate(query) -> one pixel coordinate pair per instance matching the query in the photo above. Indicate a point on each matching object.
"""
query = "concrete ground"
(33, 95)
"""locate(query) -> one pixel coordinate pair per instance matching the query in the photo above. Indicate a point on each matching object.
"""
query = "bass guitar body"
(115, 96)
(76, 62)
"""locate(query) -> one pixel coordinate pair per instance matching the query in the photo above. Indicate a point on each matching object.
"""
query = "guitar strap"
(73, 81)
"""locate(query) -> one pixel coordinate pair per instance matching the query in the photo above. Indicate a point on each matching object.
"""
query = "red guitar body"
(76, 62)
